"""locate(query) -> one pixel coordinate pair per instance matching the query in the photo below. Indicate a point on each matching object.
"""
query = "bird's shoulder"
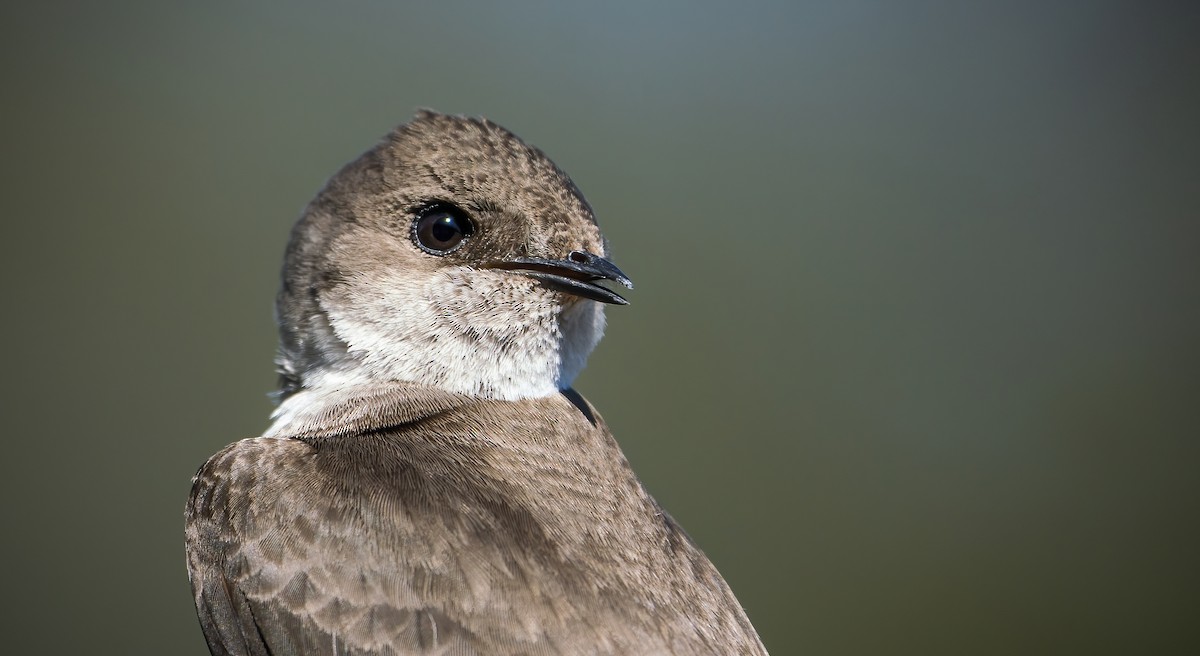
(290, 556)
(397, 541)
(482, 527)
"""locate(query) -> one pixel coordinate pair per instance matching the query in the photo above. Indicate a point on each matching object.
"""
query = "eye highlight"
(441, 228)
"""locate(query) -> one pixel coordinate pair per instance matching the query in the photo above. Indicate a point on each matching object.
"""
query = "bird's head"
(451, 255)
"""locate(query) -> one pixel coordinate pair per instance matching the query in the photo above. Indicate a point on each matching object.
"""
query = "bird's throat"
(483, 334)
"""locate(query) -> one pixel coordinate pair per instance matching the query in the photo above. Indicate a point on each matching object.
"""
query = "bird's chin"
(581, 325)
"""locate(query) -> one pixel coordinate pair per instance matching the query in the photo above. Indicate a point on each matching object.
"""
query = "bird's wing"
(412, 529)
(283, 564)
(276, 571)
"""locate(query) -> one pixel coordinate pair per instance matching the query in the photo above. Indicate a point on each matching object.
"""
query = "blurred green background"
(913, 350)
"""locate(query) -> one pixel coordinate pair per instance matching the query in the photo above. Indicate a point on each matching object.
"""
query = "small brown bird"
(431, 484)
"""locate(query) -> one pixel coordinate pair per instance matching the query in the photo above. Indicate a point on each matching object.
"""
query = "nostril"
(578, 257)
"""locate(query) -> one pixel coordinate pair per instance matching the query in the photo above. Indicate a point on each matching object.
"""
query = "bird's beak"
(576, 275)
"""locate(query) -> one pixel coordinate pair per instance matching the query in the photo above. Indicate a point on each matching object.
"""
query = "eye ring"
(441, 228)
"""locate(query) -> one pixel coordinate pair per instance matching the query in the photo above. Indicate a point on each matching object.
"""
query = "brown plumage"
(446, 506)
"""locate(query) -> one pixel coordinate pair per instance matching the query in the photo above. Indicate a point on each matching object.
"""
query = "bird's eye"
(441, 228)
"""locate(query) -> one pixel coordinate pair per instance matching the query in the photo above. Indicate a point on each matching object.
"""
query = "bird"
(431, 482)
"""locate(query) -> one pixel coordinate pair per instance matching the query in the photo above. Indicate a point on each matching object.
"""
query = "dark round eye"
(441, 228)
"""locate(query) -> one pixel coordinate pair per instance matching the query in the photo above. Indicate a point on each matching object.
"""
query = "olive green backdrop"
(912, 354)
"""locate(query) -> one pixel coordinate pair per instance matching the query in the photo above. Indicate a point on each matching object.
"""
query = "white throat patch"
(489, 334)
